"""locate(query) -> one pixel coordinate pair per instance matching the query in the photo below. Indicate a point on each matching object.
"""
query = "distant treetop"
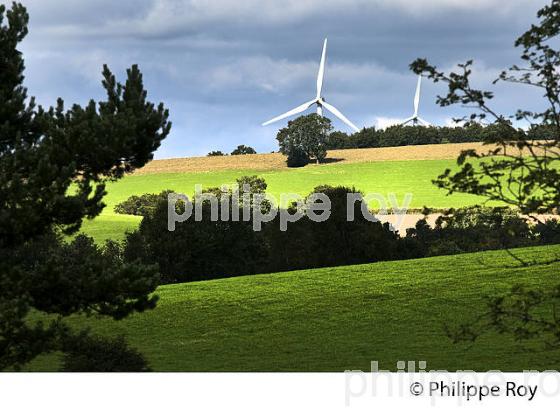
(243, 150)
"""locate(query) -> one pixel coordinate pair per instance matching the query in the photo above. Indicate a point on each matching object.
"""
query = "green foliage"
(256, 184)
(54, 166)
(196, 250)
(516, 170)
(305, 138)
(142, 205)
(473, 229)
(243, 150)
(63, 279)
(206, 249)
(548, 232)
(297, 157)
(81, 277)
(333, 242)
(215, 154)
(85, 353)
(398, 135)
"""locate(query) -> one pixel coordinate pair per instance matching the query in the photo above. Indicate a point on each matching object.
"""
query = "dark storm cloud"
(224, 66)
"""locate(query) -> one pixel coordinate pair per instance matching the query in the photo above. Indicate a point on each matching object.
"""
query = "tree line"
(209, 249)
(308, 138)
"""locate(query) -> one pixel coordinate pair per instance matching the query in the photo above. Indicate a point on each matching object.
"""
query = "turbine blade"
(407, 120)
(340, 116)
(423, 122)
(296, 110)
(321, 74)
(417, 95)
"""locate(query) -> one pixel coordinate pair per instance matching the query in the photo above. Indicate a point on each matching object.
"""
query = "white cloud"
(386, 122)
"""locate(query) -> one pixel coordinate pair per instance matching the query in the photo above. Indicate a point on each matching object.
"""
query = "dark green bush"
(334, 242)
(257, 184)
(473, 229)
(548, 232)
(243, 150)
(96, 354)
(197, 250)
(142, 205)
(297, 158)
(66, 277)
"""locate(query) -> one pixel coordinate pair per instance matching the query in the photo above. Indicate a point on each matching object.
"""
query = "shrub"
(81, 276)
(243, 150)
(96, 354)
(257, 184)
(297, 157)
(197, 250)
(336, 241)
(473, 229)
(142, 205)
(215, 154)
(548, 232)
(340, 241)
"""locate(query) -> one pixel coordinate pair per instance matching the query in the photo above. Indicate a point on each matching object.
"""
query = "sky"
(223, 67)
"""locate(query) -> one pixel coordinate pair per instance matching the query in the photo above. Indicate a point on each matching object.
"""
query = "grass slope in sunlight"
(335, 319)
(384, 177)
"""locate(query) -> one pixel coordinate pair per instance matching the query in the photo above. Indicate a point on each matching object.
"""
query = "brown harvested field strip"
(268, 162)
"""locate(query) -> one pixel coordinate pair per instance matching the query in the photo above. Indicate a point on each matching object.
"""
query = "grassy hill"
(336, 318)
(399, 177)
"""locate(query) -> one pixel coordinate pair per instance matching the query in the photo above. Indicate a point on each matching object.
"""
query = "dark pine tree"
(54, 163)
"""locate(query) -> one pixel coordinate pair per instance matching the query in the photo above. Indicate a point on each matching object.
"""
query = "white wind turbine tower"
(318, 100)
(415, 119)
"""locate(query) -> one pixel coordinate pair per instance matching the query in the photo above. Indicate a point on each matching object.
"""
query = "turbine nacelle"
(415, 121)
(319, 101)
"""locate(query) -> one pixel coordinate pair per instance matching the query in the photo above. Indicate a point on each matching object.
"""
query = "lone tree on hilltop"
(305, 138)
(54, 164)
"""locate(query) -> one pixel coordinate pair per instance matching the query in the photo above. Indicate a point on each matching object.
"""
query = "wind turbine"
(318, 100)
(415, 119)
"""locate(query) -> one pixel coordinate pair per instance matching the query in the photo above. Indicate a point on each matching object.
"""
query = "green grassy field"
(382, 177)
(335, 319)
